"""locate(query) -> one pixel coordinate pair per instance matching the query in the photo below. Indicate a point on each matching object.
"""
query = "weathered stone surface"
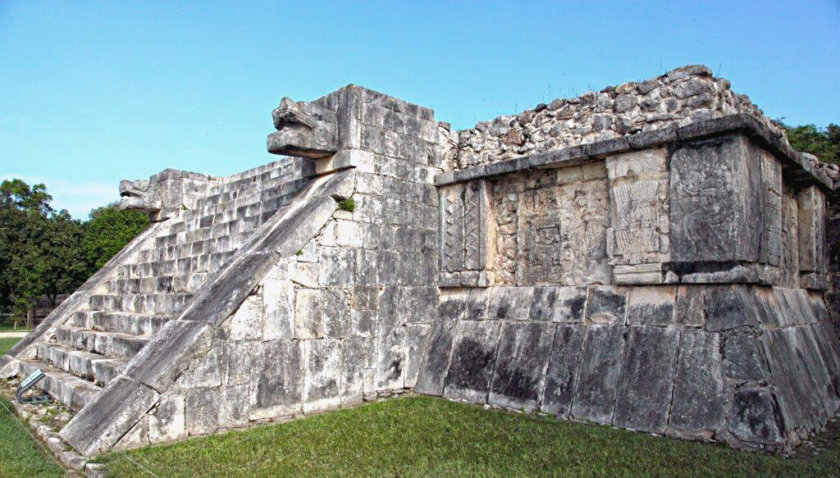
(202, 410)
(561, 375)
(524, 349)
(119, 407)
(698, 401)
(728, 307)
(754, 417)
(278, 390)
(324, 364)
(168, 422)
(743, 359)
(644, 395)
(510, 303)
(606, 305)
(474, 353)
(278, 309)
(600, 370)
(164, 358)
(303, 129)
(651, 306)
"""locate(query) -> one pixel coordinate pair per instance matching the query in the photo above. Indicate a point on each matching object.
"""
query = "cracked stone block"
(811, 204)
(600, 370)
(754, 418)
(606, 305)
(278, 391)
(473, 358)
(644, 394)
(510, 303)
(168, 422)
(324, 366)
(652, 306)
(697, 407)
(436, 358)
(356, 350)
(336, 313)
(202, 410)
(690, 306)
(563, 365)
(206, 373)
(477, 304)
(524, 349)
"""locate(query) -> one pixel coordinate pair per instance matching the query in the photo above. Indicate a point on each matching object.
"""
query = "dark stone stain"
(471, 365)
(395, 369)
(576, 306)
(515, 382)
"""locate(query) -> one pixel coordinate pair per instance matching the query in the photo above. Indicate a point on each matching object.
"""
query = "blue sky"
(93, 92)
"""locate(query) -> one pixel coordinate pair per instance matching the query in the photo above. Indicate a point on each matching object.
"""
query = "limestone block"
(234, 404)
(754, 418)
(356, 352)
(729, 307)
(244, 359)
(277, 391)
(473, 358)
(324, 364)
(790, 240)
(278, 309)
(542, 307)
(644, 394)
(714, 201)
(524, 350)
(569, 304)
(561, 374)
(697, 408)
(247, 321)
(690, 306)
(743, 360)
(304, 273)
(202, 411)
(812, 220)
(337, 267)
(205, 372)
(167, 421)
(510, 303)
(606, 305)
(651, 306)
(391, 357)
(800, 407)
(638, 206)
(336, 313)
(416, 339)
(477, 305)
(771, 182)
(308, 318)
(600, 370)
(452, 228)
(367, 267)
(435, 365)
(453, 304)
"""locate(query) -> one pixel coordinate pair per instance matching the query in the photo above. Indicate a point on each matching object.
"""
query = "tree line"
(44, 252)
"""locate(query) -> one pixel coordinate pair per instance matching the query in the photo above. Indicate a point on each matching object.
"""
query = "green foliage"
(824, 144)
(46, 252)
(424, 436)
(108, 231)
(347, 205)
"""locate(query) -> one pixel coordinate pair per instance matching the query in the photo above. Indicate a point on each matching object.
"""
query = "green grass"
(6, 344)
(423, 436)
(20, 454)
(10, 328)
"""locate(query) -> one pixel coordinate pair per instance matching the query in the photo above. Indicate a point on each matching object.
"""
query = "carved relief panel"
(464, 235)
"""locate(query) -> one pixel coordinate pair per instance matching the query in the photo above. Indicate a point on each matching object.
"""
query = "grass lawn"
(20, 454)
(6, 344)
(434, 437)
(10, 328)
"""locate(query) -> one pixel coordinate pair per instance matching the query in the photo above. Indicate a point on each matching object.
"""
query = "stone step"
(192, 249)
(109, 344)
(148, 285)
(86, 365)
(120, 322)
(148, 304)
(187, 265)
(64, 387)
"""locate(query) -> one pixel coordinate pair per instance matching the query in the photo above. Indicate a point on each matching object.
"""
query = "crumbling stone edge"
(795, 165)
(103, 422)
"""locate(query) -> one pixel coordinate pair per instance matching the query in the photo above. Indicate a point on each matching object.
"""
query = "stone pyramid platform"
(653, 256)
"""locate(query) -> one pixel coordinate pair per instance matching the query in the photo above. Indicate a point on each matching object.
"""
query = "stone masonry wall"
(345, 319)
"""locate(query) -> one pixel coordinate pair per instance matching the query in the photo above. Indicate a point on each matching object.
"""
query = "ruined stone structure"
(652, 256)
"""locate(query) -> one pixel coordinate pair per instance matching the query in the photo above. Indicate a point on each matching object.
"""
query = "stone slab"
(561, 374)
(474, 353)
(600, 371)
(524, 350)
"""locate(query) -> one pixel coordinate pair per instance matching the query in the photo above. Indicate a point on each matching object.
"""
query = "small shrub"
(347, 205)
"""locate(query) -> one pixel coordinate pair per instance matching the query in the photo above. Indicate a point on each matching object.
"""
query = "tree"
(824, 144)
(108, 231)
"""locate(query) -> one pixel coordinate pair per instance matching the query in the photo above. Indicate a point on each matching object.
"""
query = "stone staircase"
(95, 342)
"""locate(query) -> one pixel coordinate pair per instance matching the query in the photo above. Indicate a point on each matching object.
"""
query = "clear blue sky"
(93, 92)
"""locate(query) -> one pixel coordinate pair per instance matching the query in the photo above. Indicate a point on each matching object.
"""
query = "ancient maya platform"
(652, 256)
